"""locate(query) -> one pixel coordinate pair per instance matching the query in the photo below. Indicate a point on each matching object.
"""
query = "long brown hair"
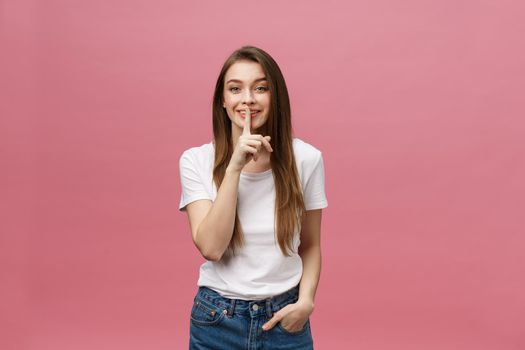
(289, 203)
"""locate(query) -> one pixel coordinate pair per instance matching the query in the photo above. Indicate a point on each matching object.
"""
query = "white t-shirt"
(258, 270)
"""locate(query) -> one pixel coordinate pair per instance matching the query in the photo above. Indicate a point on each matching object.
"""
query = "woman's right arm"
(212, 222)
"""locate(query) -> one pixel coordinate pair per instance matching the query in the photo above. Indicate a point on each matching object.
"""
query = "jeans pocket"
(205, 314)
(301, 331)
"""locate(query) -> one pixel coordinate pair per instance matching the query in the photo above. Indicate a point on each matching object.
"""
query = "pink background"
(416, 105)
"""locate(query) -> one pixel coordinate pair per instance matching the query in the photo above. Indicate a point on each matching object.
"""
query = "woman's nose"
(248, 97)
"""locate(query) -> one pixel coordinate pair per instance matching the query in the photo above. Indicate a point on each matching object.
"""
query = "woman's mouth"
(253, 113)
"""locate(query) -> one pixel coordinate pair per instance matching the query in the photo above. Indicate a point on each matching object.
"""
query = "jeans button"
(255, 307)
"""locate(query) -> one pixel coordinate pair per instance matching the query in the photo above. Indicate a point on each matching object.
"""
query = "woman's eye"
(259, 88)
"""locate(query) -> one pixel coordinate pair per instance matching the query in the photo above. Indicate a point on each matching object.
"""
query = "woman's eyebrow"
(239, 81)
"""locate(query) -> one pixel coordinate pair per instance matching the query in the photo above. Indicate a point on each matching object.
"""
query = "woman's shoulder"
(305, 151)
(199, 153)
(203, 148)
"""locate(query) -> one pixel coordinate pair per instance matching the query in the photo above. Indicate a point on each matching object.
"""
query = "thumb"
(271, 323)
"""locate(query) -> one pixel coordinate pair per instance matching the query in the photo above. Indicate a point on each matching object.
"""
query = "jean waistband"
(255, 307)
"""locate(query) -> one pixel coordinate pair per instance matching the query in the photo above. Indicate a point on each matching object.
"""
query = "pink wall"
(416, 105)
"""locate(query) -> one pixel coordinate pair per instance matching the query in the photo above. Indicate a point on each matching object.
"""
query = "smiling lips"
(243, 114)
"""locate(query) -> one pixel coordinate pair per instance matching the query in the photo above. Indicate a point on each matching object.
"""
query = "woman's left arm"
(310, 252)
(296, 314)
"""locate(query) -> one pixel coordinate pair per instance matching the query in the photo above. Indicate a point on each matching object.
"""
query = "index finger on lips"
(247, 122)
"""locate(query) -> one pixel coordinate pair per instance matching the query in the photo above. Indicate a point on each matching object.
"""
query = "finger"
(269, 325)
(261, 141)
(247, 121)
(251, 152)
(266, 142)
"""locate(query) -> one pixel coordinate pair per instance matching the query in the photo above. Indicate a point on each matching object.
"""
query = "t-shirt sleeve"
(314, 191)
(192, 186)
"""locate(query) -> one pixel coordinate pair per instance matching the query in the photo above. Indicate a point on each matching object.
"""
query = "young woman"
(254, 197)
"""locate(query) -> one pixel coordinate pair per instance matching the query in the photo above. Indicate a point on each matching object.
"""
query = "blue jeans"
(219, 323)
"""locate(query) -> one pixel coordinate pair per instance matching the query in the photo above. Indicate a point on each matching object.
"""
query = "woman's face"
(245, 84)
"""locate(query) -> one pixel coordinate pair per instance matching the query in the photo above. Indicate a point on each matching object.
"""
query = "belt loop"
(232, 307)
(269, 311)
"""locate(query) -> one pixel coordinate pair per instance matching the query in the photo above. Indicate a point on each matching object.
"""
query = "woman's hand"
(248, 146)
(292, 317)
